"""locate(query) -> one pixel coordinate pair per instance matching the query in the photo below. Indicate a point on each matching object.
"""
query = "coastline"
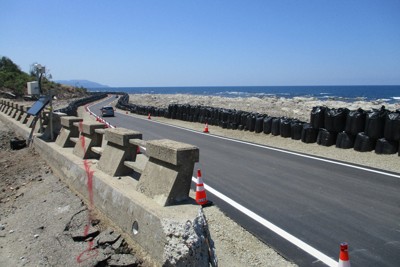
(296, 107)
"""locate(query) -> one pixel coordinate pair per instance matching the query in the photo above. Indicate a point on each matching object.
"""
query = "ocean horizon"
(383, 93)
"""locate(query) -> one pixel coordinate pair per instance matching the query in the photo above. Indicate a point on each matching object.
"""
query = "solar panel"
(38, 106)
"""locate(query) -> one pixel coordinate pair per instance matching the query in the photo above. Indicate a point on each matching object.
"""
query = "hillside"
(13, 83)
(82, 83)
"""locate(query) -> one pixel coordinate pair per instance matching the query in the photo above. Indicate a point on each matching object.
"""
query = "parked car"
(107, 111)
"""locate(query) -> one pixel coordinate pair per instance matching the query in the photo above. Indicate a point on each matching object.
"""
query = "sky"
(132, 43)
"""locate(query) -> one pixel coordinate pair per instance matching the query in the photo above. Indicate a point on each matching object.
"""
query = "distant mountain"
(82, 83)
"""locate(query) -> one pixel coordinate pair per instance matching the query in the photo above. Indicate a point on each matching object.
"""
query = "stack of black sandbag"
(334, 122)
(355, 123)
(389, 144)
(317, 121)
(374, 130)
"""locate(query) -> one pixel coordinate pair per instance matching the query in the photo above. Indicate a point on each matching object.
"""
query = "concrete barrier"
(15, 111)
(88, 138)
(117, 151)
(25, 116)
(168, 173)
(68, 131)
(19, 113)
(6, 106)
(11, 109)
(174, 235)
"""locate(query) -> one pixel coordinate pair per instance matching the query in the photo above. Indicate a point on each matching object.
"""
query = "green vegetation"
(13, 80)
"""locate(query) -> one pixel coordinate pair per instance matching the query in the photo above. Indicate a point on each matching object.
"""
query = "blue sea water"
(386, 93)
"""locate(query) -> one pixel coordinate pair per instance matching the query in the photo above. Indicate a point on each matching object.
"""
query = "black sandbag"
(355, 121)
(375, 123)
(326, 138)
(234, 125)
(364, 143)
(285, 127)
(309, 134)
(296, 127)
(251, 123)
(243, 120)
(259, 125)
(335, 119)
(276, 126)
(384, 146)
(317, 117)
(267, 125)
(392, 126)
(345, 140)
(17, 143)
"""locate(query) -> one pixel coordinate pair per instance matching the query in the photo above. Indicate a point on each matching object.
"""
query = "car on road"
(107, 111)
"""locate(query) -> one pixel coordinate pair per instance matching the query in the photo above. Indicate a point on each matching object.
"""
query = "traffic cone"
(149, 117)
(344, 260)
(206, 128)
(201, 196)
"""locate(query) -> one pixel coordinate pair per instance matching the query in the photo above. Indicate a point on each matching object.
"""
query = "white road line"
(279, 231)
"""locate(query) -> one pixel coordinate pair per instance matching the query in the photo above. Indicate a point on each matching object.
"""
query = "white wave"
(396, 97)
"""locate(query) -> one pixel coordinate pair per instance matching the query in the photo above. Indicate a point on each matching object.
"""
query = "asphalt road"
(319, 202)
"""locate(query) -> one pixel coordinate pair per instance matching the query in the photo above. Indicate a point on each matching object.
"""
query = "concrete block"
(8, 107)
(118, 150)
(25, 116)
(173, 152)
(19, 113)
(68, 131)
(168, 173)
(15, 110)
(11, 109)
(56, 118)
(30, 121)
(88, 138)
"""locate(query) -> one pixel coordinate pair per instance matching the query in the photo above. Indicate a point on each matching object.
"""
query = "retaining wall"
(146, 195)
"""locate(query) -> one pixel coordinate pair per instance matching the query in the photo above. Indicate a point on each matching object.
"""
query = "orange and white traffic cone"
(206, 128)
(149, 117)
(201, 196)
(344, 260)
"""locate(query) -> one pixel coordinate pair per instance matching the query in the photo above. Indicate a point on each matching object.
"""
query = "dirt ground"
(43, 223)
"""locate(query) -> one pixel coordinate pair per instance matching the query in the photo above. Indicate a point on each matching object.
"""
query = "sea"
(383, 93)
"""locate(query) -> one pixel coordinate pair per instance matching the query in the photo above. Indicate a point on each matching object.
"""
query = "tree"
(11, 76)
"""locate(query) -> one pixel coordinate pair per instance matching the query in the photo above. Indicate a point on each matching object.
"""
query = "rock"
(123, 260)
(108, 236)
(117, 244)
(76, 227)
(2, 227)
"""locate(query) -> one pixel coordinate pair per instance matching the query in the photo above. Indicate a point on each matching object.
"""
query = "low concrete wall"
(172, 235)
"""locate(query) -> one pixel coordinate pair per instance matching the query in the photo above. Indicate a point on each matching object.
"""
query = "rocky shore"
(296, 108)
